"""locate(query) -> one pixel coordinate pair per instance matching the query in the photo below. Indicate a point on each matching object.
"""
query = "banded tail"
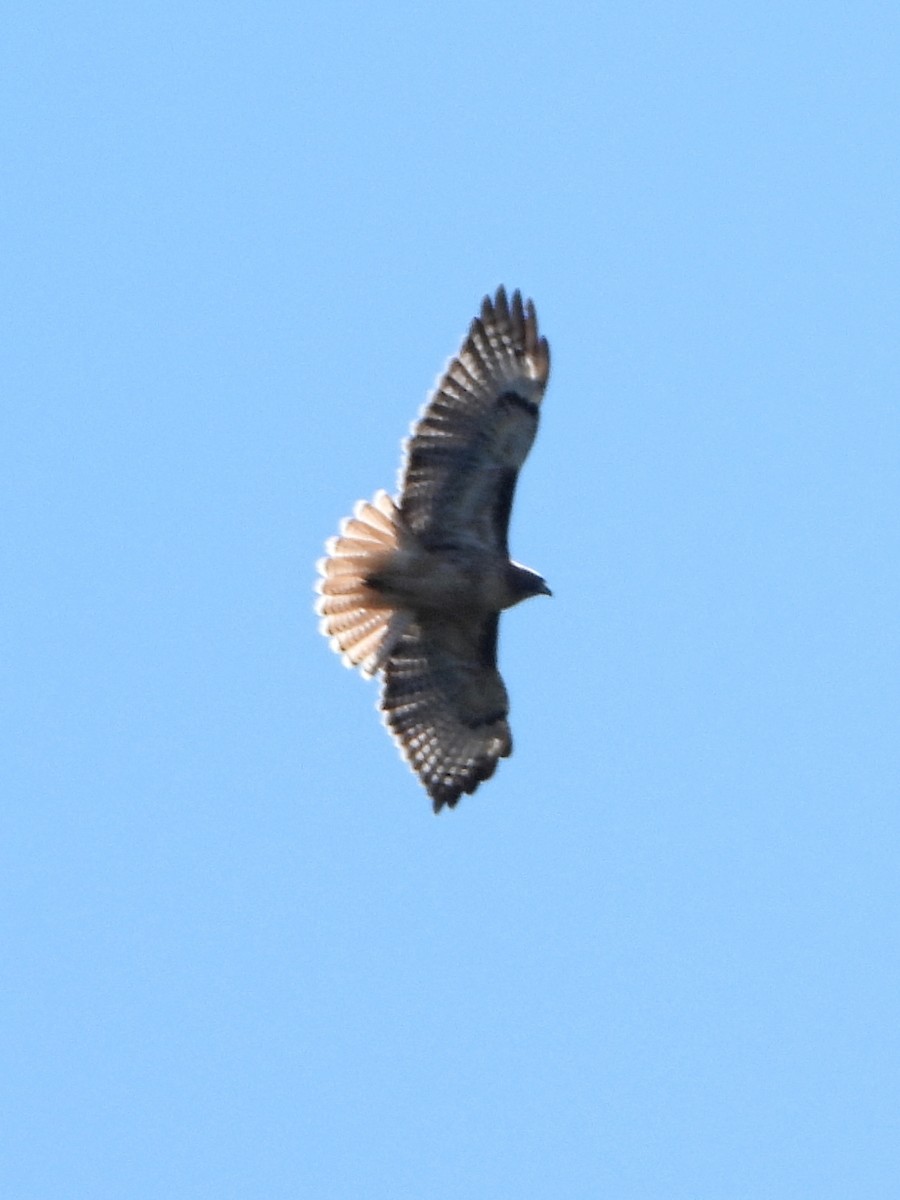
(359, 625)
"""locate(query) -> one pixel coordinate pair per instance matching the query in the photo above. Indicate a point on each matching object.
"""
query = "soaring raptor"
(413, 587)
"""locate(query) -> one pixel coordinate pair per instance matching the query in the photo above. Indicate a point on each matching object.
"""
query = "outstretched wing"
(464, 452)
(446, 706)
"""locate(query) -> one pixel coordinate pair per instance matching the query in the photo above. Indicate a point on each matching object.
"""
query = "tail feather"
(346, 584)
(342, 567)
(360, 627)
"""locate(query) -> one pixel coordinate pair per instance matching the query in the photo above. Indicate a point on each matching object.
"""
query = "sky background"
(658, 955)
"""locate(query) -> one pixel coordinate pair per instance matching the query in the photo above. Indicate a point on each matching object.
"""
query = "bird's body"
(414, 588)
(467, 583)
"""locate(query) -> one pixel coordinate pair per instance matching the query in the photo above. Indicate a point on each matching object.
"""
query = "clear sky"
(658, 955)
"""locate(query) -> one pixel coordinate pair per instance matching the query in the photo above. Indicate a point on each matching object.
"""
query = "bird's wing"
(445, 704)
(463, 455)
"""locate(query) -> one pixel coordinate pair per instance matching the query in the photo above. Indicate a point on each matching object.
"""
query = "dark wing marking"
(445, 705)
(464, 452)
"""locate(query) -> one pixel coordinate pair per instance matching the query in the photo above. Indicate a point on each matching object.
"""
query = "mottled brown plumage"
(414, 587)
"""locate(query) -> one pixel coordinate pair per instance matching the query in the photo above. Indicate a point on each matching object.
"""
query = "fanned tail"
(354, 617)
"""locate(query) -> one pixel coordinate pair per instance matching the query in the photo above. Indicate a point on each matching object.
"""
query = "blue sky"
(657, 955)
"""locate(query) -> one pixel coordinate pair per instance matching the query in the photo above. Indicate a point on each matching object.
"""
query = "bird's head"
(523, 583)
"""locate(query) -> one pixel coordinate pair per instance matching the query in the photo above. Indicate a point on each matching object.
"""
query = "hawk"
(413, 587)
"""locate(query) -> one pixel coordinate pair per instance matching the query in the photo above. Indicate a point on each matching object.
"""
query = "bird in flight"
(413, 587)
